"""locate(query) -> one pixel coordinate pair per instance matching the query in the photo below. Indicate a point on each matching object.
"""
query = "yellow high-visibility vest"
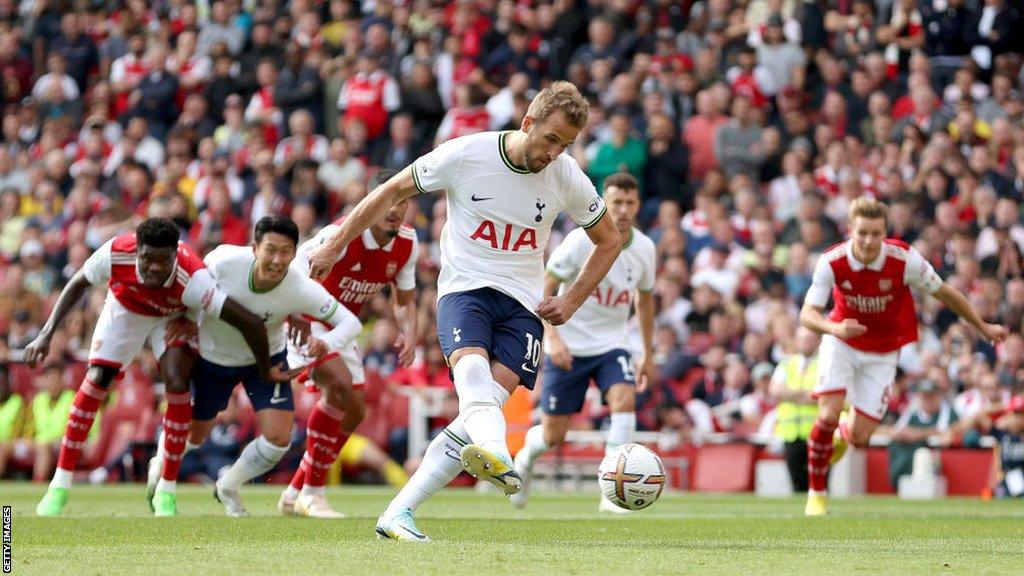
(794, 421)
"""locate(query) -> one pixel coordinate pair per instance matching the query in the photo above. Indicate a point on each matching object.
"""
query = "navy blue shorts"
(496, 322)
(563, 391)
(212, 385)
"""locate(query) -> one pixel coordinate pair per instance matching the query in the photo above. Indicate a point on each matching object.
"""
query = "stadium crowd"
(750, 125)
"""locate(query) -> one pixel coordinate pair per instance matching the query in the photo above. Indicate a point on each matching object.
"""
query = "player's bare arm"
(814, 318)
(646, 370)
(69, 297)
(607, 245)
(559, 352)
(956, 302)
(255, 334)
(365, 214)
(406, 315)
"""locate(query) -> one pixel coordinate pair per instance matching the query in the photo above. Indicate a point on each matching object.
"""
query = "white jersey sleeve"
(918, 273)
(97, 267)
(202, 293)
(565, 262)
(406, 277)
(822, 282)
(584, 205)
(647, 277)
(437, 169)
(313, 300)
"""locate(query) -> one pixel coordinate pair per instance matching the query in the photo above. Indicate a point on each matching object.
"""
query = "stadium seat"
(724, 468)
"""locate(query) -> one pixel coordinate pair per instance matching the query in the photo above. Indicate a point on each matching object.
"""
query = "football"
(632, 476)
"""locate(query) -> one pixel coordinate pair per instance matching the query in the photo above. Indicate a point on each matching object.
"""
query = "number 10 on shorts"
(532, 350)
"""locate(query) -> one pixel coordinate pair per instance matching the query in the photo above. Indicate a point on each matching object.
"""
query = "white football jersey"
(499, 215)
(601, 323)
(232, 268)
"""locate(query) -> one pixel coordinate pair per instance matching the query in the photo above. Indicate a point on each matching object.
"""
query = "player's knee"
(279, 438)
(861, 439)
(622, 401)
(355, 410)
(554, 437)
(101, 376)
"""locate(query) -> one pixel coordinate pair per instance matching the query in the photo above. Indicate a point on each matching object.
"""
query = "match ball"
(632, 476)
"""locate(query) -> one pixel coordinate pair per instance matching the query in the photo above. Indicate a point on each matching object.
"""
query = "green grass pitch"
(108, 530)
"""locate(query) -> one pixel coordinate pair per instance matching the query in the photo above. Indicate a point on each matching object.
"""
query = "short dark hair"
(383, 176)
(278, 225)
(157, 233)
(623, 180)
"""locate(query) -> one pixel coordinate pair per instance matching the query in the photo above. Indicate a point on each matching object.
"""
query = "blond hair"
(564, 96)
(867, 207)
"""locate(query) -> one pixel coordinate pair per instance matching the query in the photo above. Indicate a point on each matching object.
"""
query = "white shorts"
(349, 354)
(121, 333)
(865, 377)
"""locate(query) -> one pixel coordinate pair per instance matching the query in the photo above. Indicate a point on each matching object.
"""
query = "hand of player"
(298, 330)
(406, 350)
(316, 348)
(646, 373)
(995, 333)
(37, 349)
(850, 328)
(556, 310)
(559, 353)
(321, 259)
(180, 329)
(279, 374)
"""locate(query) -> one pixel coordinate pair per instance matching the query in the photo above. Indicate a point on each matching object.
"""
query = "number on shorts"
(628, 369)
(532, 349)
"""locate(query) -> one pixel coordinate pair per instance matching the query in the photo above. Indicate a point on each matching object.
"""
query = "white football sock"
(167, 485)
(291, 492)
(534, 446)
(62, 478)
(480, 402)
(440, 465)
(258, 457)
(620, 430)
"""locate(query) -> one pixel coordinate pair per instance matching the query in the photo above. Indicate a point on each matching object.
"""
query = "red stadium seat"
(724, 468)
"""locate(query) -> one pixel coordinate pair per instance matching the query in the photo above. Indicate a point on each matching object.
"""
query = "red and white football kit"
(878, 295)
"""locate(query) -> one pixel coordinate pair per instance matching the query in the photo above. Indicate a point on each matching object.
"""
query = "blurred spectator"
(929, 417)
(792, 382)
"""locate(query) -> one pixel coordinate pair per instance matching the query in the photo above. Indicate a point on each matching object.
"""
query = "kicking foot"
(486, 465)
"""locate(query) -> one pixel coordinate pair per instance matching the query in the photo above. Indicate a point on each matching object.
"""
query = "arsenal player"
(382, 255)
(869, 278)
(152, 278)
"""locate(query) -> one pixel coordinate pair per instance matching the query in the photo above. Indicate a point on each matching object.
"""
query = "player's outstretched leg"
(440, 465)
(480, 402)
(86, 404)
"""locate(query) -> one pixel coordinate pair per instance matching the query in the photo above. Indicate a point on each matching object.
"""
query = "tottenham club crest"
(885, 284)
(391, 268)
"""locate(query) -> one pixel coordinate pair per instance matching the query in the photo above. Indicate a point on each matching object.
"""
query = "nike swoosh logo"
(528, 369)
(278, 400)
(475, 199)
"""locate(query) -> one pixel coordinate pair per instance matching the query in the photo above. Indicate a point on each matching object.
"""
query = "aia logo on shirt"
(508, 238)
(611, 297)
